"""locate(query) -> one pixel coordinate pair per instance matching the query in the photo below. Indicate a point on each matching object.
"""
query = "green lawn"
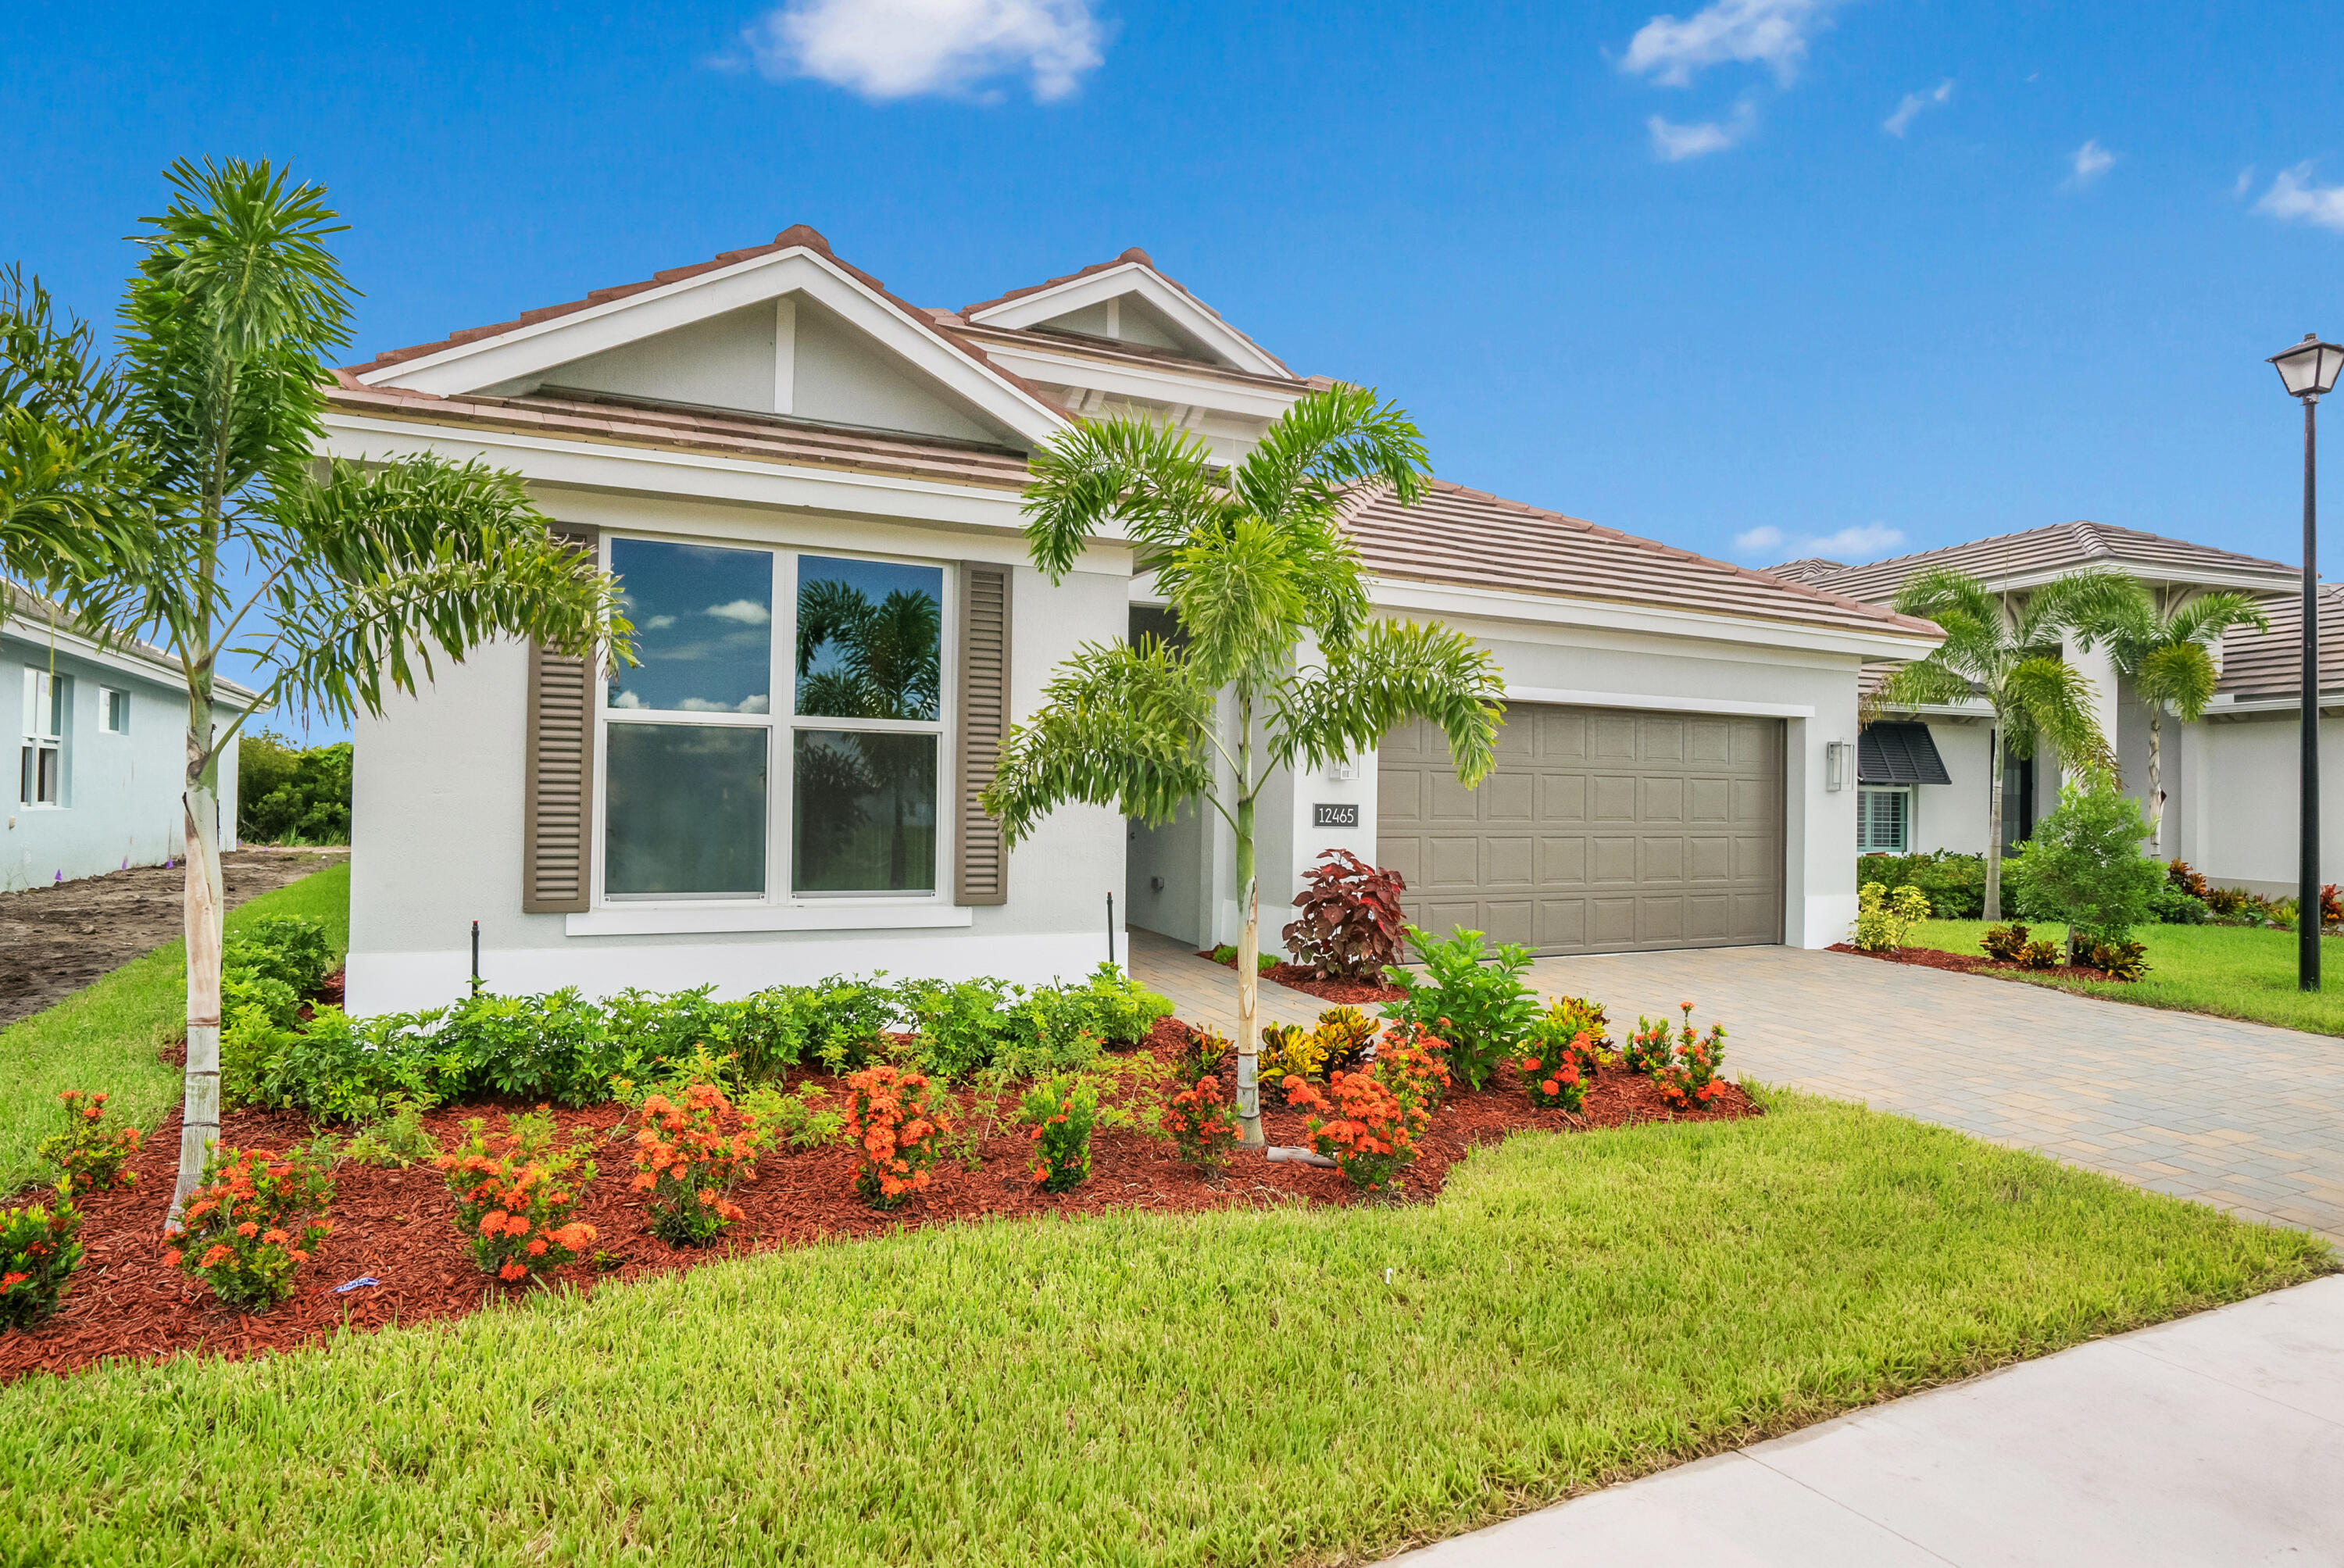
(1258, 1386)
(2229, 971)
(105, 1036)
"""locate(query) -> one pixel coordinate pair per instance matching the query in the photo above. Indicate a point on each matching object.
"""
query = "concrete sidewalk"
(2218, 1439)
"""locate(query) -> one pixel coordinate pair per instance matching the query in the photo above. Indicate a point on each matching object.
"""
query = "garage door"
(1601, 830)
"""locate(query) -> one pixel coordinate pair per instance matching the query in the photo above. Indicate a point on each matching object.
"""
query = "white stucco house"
(100, 752)
(802, 480)
(2229, 779)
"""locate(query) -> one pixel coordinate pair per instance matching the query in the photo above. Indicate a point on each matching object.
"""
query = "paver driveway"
(2241, 1115)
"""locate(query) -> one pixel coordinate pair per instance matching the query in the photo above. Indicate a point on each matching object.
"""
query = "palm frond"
(1124, 725)
(1324, 444)
(1922, 683)
(2205, 618)
(2094, 607)
(1157, 481)
(2180, 673)
(1390, 673)
(2047, 703)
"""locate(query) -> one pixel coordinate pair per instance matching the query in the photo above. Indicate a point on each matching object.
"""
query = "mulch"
(396, 1225)
(1346, 993)
(1973, 964)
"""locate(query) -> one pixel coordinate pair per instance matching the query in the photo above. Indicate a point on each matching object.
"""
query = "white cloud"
(626, 699)
(1897, 124)
(708, 705)
(746, 612)
(1770, 32)
(2244, 183)
(2294, 197)
(887, 49)
(1674, 143)
(657, 624)
(2092, 160)
(1858, 541)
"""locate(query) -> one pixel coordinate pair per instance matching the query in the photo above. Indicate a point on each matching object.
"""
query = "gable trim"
(1112, 282)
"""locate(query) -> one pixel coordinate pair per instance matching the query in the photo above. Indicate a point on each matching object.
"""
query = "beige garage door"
(1601, 830)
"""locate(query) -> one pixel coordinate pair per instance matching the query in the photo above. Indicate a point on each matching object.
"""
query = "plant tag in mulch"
(361, 1280)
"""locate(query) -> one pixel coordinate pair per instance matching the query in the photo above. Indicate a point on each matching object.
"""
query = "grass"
(1259, 1386)
(2229, 971)
(106, 1035)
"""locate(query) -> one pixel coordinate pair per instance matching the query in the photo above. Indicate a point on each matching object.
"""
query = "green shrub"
(295, 953)
(2171, 906)
(90, 1153)
(1122, 1010)
(343, 1070)
(2003, 944)
(959, 1026)
(286, 795)
(1882, 922)
(2120, 960)
(2084, 865)
(1955, 885)
(844, 1019)
(803, 1120)
(560, 1047)
(1263, 963)
(397, 1140)
(1471, 997)
(1061, 1111)
(39, 1251)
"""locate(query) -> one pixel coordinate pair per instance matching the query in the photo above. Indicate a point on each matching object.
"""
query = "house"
(2228, 780)
(101, 751)
(779, 458)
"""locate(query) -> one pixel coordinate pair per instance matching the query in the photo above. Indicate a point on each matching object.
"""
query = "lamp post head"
(2308, 369)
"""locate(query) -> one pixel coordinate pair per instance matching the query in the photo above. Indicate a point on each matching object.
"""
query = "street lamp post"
(2308, 370)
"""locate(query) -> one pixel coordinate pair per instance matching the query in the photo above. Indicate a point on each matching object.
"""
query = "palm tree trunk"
(1994, 828)
(1248, 987)
(201, 917)
(2156, 788)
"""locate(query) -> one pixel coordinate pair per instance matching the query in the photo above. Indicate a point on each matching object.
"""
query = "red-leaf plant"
(1351, 925)
(895, 1131)
(517, 1196)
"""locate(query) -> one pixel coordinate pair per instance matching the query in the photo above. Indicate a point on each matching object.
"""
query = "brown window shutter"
(981, 875)
(558, 811)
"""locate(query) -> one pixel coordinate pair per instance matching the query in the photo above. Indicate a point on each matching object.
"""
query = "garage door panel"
(1599, 830)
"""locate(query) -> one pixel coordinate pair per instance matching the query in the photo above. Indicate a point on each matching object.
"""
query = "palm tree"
(1264, 581)
(367, 573)
(2039, 700)
(2166, 656)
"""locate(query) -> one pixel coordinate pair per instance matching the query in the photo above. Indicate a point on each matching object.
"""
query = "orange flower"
(537, 1247)
(299, 1256)
(511, 1272)
(170, 1258)
(247, 1229)
(274, 1237)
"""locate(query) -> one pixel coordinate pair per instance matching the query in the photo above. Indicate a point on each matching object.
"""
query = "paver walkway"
(2240, 1116)
(1205, 993)
(2214, 1440)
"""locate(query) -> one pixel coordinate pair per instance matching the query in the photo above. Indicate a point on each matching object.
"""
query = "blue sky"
(1759, 279)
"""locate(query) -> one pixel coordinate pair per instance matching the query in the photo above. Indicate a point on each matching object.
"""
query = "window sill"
(673, 919)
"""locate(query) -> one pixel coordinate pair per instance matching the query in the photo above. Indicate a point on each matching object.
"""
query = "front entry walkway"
(2240, 1116)
(2213, 1440)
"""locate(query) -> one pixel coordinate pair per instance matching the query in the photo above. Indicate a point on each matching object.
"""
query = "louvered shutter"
(981, 875)
(558, 814)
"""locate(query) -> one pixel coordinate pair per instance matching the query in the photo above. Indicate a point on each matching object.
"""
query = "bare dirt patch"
(55, 940)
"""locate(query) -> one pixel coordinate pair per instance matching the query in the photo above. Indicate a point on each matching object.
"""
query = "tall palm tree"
(1284, 663)
(2165, 655)
(367, 573)
(2040, 701)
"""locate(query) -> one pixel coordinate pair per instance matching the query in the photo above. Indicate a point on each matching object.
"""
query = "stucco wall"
(121, 791)
(2245, 829)
(1955, 817)
(439, 815)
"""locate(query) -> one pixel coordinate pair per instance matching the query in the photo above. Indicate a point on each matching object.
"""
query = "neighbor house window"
(693, 735)
(117, 712)
(41, 761)
(1884, 820)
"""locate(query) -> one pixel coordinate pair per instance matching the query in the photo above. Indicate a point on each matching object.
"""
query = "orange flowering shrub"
(252, 1222)
(895, 1131)
(1368, 1131)
(90, 1153)
(1553, 1079)
(1203, 1124)
(39, 1251)
(1684, 1069)
(1061, 1111)
(517, 1196)
(687, 1161)
(1413, 1064)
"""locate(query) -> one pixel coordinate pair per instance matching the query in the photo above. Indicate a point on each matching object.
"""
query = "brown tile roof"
(1808, 569)
(1456, 535)
(794, 237)
(2261, 665)
(1144, 260)
(764, 437)
(2063, 547)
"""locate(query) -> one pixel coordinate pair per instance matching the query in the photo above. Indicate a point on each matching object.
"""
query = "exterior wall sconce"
(1836, 764)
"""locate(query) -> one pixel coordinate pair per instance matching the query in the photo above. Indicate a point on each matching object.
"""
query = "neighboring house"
(2228, 780)
(101, 751)
(812, 492)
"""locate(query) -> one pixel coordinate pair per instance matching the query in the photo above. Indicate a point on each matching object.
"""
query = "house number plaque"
(1336, 817)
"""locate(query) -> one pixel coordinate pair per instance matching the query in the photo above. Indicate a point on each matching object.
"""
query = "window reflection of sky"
(874, 581)
(704, 627)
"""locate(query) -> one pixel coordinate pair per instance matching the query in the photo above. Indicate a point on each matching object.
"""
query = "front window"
(117, 712)
(41, 759)
(1883, 821)
(694, 807)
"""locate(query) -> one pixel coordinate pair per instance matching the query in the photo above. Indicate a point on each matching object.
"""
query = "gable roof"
(1807, 569)
(1470, 538)
(1023, 307)
(2263, 666)
(2040, 555)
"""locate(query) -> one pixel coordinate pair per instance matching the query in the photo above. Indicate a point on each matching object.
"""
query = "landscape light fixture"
(2308, 372)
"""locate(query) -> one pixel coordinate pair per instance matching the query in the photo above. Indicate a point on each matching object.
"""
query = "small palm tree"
(2166, 657)
(367, 573)
(1283, 664)
(2040, 701)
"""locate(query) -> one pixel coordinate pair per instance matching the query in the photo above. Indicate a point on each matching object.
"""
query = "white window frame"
(781, 723)
(46, 699)
(1863, 843)
(106, 698)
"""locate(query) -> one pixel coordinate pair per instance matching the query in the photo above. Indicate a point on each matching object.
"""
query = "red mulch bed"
(398, 1226)
(1347, 993)
(1968, 963)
